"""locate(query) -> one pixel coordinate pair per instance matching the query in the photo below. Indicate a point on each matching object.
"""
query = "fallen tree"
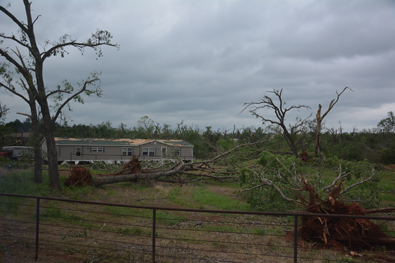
(225, 169)
(356, 234)
(277, 183)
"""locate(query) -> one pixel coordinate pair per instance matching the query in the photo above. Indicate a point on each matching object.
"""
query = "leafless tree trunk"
(320, 118)
(280, 112)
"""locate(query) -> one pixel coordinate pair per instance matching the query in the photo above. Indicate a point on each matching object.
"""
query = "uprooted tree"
(276, 182)
(337, 233)
(29, 66)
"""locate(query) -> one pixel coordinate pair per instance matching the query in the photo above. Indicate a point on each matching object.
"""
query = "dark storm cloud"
(199, 61)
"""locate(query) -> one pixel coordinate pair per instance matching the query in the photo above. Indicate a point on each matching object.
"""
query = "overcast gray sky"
(200, 61)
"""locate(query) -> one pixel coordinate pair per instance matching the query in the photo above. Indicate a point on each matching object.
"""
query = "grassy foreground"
(269, 231)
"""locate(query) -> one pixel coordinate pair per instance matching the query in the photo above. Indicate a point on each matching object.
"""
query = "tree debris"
(132, 167)
(78, 177)
(193, 171)
(355, 234)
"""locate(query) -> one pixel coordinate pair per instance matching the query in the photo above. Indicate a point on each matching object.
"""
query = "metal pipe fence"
(48, 229)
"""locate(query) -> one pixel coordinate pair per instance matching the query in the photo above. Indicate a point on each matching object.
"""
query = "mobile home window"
(164, 151)
(127, 151)
(148, 151)
(97, 149)
(178, 151)
(78, 151)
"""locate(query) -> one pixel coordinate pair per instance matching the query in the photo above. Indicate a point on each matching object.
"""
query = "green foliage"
(387, 124)
(226, 144)
(276, 178)
(282, 171)
(353, 146)
(388, 155)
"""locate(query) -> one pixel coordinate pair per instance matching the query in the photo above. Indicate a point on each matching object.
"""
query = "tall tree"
(280, 111)
(320, 118)
(31, 69)
(387, 125)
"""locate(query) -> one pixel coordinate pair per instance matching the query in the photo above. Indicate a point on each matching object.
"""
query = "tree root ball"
(78, 177)
(337, 233)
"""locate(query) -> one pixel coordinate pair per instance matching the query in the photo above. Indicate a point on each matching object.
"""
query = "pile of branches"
(331, 232)
(78, 177)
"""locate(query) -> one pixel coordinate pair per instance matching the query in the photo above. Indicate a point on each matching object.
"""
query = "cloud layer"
(199, 61)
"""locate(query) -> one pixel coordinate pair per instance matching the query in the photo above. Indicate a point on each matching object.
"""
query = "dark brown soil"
(337, 233)
(132, 167)
(78, 177)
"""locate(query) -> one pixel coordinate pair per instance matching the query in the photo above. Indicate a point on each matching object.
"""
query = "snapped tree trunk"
(318, 131)
(321, 118)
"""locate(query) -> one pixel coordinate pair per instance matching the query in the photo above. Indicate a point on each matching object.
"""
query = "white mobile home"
(18, 152)
(120, 150)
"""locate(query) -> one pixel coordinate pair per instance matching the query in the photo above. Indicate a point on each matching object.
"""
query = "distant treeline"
(376, 144)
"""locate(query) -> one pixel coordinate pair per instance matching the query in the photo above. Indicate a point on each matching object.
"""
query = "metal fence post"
(153, 233)
(37, 226)
(296, 239)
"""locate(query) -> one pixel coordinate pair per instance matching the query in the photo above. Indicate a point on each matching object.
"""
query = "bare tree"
(122, 128)
(31, 69)
(321, 118)
(280, 111)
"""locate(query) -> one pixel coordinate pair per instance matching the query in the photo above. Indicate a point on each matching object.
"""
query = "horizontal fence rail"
(50, 229)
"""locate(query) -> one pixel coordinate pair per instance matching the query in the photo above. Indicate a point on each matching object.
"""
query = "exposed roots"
(78, 176)
(357, 234)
